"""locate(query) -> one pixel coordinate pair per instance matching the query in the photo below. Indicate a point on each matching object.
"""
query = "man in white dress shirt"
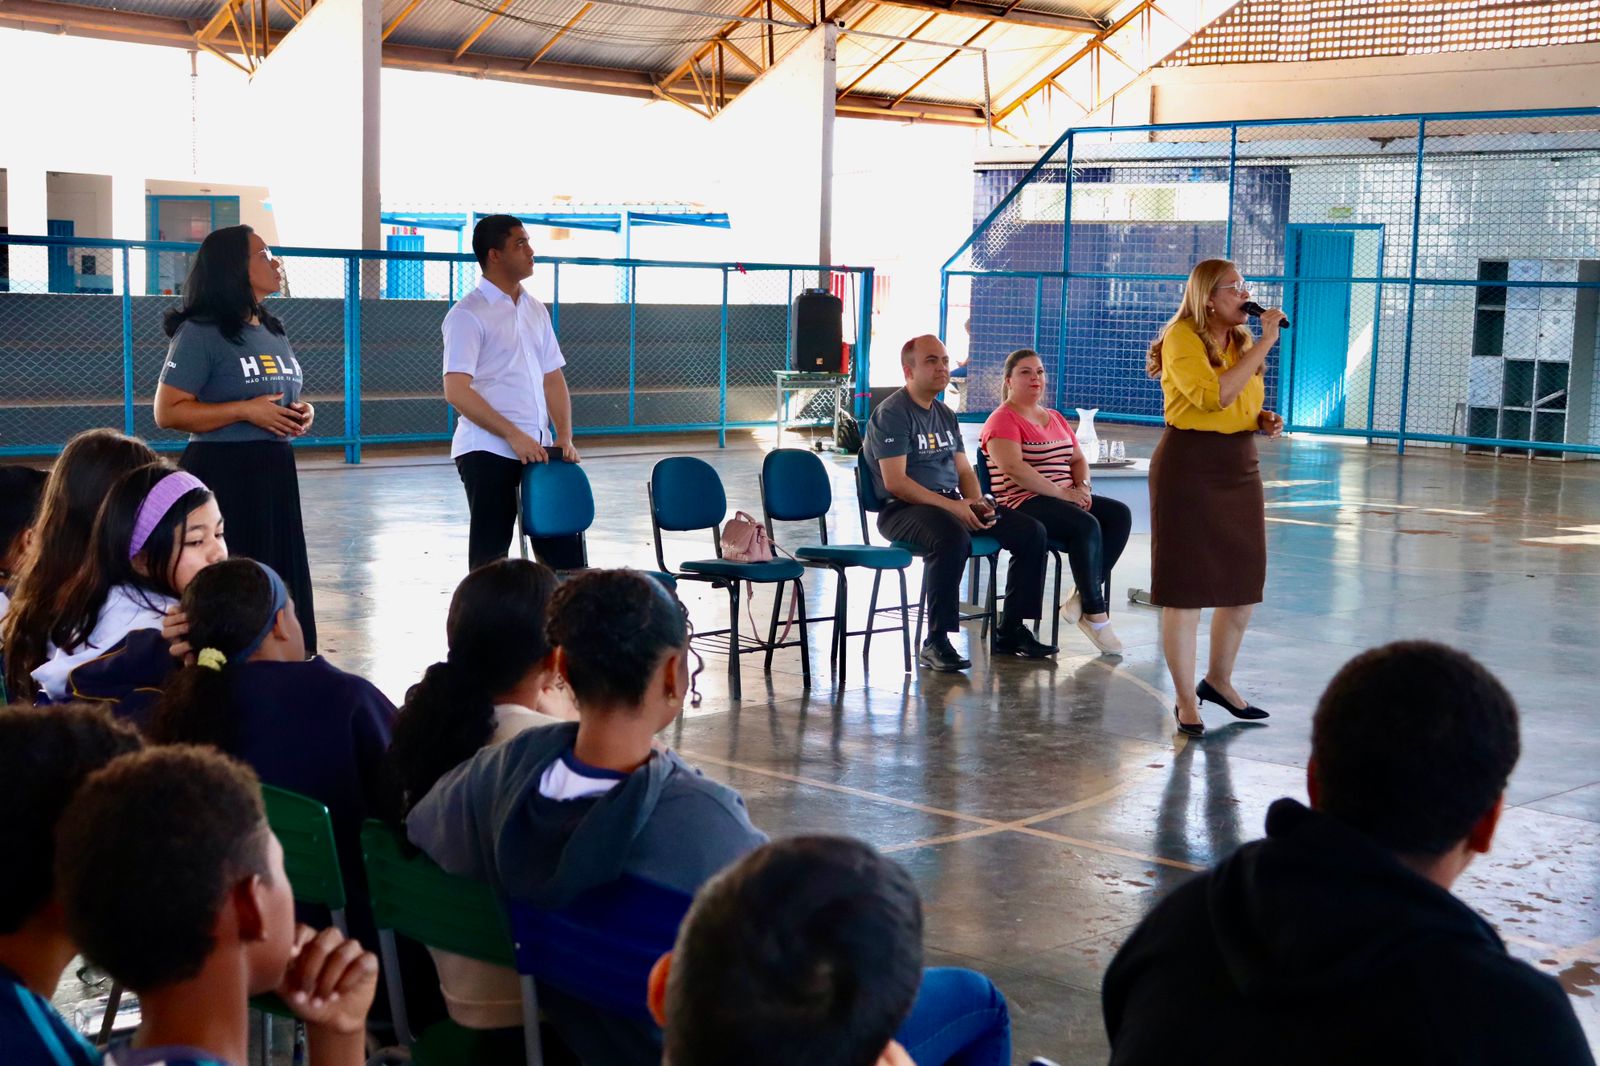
(502, 374)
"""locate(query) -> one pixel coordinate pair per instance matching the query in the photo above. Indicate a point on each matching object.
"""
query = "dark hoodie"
(665, 823)
(1316, 945)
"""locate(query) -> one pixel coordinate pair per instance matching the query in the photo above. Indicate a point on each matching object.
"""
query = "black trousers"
(491, 482)
(1094, 539)
(258, 493)
(948, 545)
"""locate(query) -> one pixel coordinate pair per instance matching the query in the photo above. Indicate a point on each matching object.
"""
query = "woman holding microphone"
(1208, 542)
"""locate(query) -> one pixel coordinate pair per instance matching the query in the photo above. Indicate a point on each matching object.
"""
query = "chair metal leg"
(1055, 615)
(266, 1037)
(772, 628)
(840, 655)
(972, 582)
(872, 614)
(992, 620)
(734, 689)
(533, 1050)
(922, 607)
(805, 639)
(108, 1020)
(905, 622)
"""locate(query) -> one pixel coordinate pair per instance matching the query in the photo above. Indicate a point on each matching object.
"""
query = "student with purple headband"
(158, 528)
(301, 724)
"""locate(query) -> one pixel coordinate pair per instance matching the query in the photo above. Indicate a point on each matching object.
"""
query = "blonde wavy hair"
(1196, 292)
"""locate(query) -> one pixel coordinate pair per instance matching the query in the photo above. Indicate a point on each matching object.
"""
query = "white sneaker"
(1104, 638)
(1072, 610)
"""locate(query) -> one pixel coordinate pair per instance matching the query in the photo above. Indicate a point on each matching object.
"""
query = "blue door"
(60, 258)
(403, 280)
(1317, 348)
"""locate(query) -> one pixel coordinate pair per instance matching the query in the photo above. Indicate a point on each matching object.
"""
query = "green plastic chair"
(412, 896)
(311, 859)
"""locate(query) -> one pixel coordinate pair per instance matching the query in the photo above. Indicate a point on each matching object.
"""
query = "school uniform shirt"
(127, 608)
(1192, 387)
(311, 728)
(1048, 449)
(33, 1034)
(508, 347)
(204, 363)
(929, 438)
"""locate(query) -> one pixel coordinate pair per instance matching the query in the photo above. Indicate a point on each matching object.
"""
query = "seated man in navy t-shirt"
(930, 498)
(45, 754)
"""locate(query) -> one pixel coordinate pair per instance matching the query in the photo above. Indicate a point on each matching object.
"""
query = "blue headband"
(280, 600)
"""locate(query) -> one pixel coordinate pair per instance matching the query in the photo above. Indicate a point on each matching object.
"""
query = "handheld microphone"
(1250, 307)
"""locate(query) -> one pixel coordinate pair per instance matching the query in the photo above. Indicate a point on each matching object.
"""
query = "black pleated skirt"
(258, 493)
(1208, 527)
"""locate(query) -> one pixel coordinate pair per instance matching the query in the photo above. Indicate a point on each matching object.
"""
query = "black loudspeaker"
(818, 339)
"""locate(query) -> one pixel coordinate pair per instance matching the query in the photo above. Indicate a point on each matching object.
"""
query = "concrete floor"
(1043, 808)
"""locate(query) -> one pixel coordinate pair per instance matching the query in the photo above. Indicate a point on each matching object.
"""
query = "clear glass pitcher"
(1088, 439)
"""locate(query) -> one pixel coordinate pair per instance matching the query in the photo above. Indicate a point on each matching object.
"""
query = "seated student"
(78, 484)
(172, 881)
(809, 950)
(157, 529)
(300, 724)
(561, 809)
(913, 449)
(45, 754)
(20, 490)
(1035, 466)
(490, 688)
(1337, 939)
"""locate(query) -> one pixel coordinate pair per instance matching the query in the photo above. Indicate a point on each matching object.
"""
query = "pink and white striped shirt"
(1048, 449)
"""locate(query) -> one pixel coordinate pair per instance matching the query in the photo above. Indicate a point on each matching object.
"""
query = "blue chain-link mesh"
(1491, 337)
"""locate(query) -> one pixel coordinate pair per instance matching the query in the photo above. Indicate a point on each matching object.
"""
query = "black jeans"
(1094, 539)
(491, 481)
(948, 545)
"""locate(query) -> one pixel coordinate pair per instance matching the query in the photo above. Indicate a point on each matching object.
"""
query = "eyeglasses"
(1241, 287)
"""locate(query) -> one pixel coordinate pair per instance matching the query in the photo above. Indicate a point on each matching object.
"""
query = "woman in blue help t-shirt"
(232, 381)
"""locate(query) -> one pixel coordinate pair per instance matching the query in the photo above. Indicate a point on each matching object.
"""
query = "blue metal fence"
(688, 346)
(1442, 270)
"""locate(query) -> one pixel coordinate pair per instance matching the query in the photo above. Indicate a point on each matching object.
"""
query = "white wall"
(320, 83)
(773, 150)
(1500, 79)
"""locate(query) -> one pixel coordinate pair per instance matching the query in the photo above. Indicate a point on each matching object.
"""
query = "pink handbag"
(744, 540)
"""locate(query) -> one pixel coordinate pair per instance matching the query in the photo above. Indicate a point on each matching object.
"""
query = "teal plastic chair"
(795, 488)
(556, 500)
(1057, 550)
(983, 547)
(413, 897)
(686, 494)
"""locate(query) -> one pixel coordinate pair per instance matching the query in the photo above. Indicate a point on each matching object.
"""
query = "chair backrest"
(601, 948)
(794, 486)
(685, 494)
(981, 468)
(556, 499)
(414, 897)
(310, 857)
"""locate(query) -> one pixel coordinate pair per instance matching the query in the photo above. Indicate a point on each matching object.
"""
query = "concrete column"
(129, 223)
(27, 211)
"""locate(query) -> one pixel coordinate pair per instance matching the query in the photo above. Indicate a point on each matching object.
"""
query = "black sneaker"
(937, 654)
(1016, 640)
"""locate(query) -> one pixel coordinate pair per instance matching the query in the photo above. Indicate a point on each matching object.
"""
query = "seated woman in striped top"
(1035, 467)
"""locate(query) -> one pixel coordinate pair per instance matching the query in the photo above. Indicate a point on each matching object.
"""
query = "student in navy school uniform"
(158, 528)
(45, 754)
(78, 484)
(301, 724)
(172, 880)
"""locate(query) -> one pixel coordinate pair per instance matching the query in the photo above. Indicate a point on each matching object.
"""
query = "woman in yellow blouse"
(1208, 542)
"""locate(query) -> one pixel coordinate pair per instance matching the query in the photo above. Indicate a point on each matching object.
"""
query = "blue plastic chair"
(795, 488)
(983, 547)
(1056, 548)
(685, 495)
(556, 500)
(599, 949)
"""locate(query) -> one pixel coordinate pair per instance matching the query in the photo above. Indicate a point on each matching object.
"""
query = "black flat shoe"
(1205, 692)
(1198, 729)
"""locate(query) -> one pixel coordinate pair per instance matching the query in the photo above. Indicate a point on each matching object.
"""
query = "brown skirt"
(1208, 529)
